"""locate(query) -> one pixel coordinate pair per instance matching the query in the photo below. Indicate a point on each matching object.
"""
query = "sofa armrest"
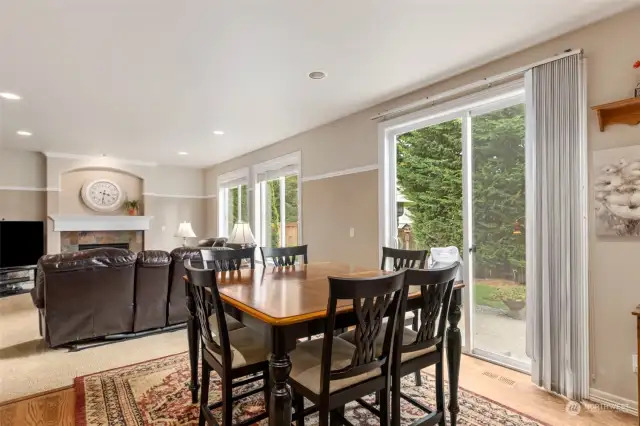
(37, 292)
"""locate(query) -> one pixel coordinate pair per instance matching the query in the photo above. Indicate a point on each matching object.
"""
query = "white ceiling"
(144, 79)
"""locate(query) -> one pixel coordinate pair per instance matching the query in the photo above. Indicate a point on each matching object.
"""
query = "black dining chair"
(405, 259)
(414, 351)
(284, 256)
(332, 372)
(231, 260)
(233, 354)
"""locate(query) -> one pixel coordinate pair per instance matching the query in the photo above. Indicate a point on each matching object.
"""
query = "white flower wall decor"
(617, 192)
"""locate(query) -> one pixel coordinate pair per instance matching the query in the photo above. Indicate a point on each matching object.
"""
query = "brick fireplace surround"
(71, 240)
(78, 230)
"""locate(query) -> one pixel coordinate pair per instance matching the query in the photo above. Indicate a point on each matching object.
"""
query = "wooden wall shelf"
(626, 111)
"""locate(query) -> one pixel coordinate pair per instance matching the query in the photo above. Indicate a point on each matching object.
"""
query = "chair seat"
(247, 348)
(232, 323)
(408, 337)
(306, 362)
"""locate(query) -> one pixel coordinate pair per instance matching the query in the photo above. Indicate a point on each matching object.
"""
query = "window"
(277, 202)
(237, 208)
(233, 201)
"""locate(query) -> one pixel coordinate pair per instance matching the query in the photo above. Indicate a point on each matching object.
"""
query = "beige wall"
(22, 169)
(610, 48)
(71, 184)
(330, 207)
(22, 205)
(167, 213)
(22, 185)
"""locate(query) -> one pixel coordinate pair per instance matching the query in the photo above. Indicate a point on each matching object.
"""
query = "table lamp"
(185, 231)
(241, 234)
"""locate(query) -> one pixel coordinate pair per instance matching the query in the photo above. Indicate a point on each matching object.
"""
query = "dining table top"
(282, 296)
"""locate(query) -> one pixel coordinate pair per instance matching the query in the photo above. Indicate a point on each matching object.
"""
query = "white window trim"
(223, 196)
(291, 159)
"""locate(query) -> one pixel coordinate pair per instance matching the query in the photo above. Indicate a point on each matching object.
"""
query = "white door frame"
(389, 130)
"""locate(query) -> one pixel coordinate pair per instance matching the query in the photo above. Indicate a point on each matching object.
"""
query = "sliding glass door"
(456, 178)
(498, 304)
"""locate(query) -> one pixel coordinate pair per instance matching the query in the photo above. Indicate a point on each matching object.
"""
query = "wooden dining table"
(289, 303)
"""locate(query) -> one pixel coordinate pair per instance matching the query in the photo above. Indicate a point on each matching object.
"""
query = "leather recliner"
(86, 294)
(152, 289)
(177, 311)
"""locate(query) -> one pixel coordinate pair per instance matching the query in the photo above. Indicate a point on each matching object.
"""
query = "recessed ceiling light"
(24, 133)
(317, 75)
(183, 153)
(218, 132)
(10, 96)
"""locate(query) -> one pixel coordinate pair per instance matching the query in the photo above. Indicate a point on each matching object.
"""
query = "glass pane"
(271, 216)
(244, 212)
(291, 210)
(429, 187)
(498, 181)
(232, 208)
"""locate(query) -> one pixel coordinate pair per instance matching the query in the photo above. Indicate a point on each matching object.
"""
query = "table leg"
(454, 353)
(279, 369)
(193, 337)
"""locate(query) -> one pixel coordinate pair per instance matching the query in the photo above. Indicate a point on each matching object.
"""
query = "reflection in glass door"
(497, 219)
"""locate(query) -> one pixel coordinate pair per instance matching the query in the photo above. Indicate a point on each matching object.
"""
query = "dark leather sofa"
(106, 291)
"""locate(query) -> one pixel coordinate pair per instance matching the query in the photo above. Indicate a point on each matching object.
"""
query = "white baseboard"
(613, 401)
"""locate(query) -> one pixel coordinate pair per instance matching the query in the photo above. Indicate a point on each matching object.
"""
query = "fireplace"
(72, 241)
(111, 245)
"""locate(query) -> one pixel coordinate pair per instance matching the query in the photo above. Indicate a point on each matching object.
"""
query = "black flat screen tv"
(21, 243)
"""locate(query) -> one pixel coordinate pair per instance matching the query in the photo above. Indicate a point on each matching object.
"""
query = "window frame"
(233, 179)
(292, 161)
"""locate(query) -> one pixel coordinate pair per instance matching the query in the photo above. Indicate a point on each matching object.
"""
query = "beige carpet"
(27, 366)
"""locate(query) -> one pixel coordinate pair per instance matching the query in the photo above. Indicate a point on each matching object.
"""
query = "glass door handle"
(472, 249)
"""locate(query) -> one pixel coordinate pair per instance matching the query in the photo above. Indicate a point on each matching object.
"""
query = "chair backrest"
(403, 258)
(204, 290)
(231, 260)
(372, 299)
(436, 288)
(284, 256)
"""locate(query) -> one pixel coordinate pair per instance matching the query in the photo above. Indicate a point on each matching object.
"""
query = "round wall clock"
(102, 195)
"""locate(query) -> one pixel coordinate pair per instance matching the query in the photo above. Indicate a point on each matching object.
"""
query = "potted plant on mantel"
(132, 207)
(515, 298)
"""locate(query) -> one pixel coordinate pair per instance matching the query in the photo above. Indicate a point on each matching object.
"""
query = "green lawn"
(483, 293)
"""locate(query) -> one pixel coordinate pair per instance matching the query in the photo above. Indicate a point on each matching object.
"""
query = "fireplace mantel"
(100, 223)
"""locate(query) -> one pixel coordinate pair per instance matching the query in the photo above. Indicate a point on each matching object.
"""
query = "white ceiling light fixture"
(317, 75)
(218, 132)
(10, 96)
(183, 153)
(24, 133)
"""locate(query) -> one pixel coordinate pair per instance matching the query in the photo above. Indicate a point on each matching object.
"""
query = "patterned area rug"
(156, 393)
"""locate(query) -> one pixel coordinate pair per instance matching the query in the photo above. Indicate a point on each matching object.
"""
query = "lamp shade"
(185, 230)
(241, 234)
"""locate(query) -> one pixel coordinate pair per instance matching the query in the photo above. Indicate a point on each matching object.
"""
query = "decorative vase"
(638, 91)
(132, 212)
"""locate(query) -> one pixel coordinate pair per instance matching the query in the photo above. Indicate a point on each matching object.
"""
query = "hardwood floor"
(55, 408)
(502, 385)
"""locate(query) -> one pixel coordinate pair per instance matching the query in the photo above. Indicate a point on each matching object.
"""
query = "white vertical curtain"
(557, 281)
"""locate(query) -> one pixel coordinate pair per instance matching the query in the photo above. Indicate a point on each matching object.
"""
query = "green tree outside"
(429, 172)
